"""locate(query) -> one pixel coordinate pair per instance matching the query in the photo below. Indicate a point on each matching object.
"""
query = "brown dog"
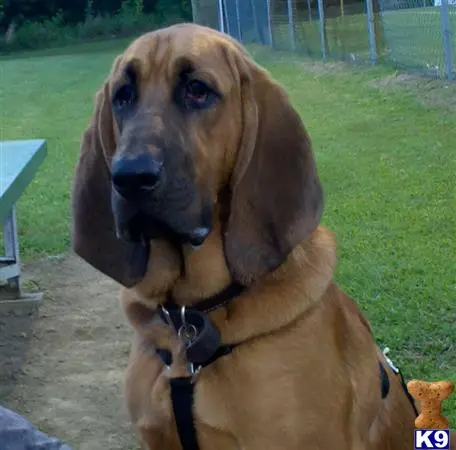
(196, 173)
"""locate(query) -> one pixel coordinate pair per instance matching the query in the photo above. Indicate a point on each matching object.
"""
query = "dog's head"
(187, 125)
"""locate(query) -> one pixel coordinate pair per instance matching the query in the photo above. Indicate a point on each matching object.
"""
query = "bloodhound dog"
(196, 185)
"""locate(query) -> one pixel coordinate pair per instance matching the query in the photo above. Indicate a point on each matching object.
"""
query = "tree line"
(71, 12)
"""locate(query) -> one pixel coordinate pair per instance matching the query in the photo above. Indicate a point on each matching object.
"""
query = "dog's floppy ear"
(277, 199)
(93, 232)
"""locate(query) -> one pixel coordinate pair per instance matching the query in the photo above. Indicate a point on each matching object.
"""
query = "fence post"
(194, 12)
(321, 16)
(291, 28)
(268, 7)
(309, 9)
(255, 21)
(371, 31)
(220, 13)
(446, 37)
(227, 15)
(238, 20)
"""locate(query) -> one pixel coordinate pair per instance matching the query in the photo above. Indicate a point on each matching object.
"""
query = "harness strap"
(167, 359)
(182, 393)
(182, 396)
(407, 393)
(384, 381)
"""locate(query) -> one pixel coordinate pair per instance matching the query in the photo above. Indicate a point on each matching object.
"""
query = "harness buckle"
(386, 350)
(168, 318)
(194, 370)
(187, 332)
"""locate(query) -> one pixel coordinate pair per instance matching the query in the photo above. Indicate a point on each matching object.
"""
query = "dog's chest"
(259, 390)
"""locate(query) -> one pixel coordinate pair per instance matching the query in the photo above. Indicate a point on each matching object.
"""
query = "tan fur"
(306, 374)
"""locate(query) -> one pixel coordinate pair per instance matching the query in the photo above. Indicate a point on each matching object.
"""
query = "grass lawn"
(386, 161)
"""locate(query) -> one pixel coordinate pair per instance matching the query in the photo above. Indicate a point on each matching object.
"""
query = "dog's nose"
(138, 174)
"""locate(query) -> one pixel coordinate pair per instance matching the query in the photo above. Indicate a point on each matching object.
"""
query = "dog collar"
(201, 339)
(213, 302)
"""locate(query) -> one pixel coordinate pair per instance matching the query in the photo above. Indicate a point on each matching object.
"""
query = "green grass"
(98, 46)
(387, 164)
(51, 97)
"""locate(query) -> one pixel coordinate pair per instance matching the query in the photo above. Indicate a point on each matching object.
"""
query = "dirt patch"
(430, 92)
(62, 365)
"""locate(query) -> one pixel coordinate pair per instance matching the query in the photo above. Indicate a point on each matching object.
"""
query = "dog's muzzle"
(134, 223)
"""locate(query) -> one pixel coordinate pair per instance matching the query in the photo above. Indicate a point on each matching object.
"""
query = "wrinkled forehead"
(162, 55)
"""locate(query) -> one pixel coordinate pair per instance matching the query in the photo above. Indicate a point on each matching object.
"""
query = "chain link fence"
(411, 34)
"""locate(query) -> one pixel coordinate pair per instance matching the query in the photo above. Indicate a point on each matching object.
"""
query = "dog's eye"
(197, 95)
(125, 96)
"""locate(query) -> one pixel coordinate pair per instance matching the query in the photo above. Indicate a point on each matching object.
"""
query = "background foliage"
(30, 24)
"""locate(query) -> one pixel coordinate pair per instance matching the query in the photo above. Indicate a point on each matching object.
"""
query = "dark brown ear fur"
(93, 233)
(277, 199)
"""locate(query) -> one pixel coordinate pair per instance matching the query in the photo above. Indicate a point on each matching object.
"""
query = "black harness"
(202, 344)
(385, 381)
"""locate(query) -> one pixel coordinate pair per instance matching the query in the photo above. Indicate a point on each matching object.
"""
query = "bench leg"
(10, 269)
(11, 246)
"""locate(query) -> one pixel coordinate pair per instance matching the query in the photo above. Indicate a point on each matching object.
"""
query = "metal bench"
(19, 162)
